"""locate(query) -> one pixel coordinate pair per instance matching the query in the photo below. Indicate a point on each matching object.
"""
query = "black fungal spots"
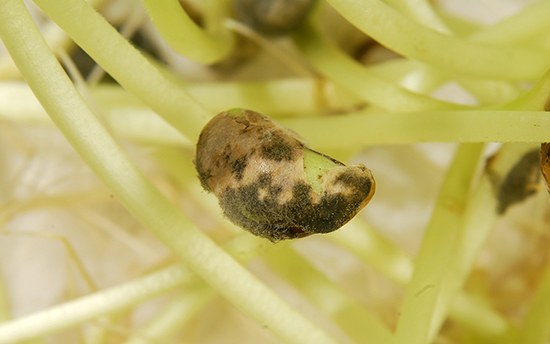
(257, 169)
(237, 167)
(275, 147)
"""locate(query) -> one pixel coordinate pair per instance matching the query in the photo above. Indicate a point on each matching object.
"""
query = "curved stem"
(179, 311)
(135, 191)
(359, 324)
(424, 292)
(448, 53)
(126, 65)
(186, 37)
(518, 28)
(356, 78)
(422, 12)
(536, 328)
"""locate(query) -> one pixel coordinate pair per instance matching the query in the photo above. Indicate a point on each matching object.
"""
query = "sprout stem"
(135, 191)
(451, 54)
(364, 129)
(422, 299)
(359, 80)
(124, 63)
(186, 37)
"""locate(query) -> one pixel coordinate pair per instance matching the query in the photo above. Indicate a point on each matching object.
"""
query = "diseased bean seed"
(270, 183)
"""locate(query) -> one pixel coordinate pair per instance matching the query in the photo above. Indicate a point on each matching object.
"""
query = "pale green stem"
(475, 314)
(451, 54)
(132, 24)
(125, 64)
(540, 41)
(214, 13)
(75, 312)
(56, 38)
(518, 28)
(479, 219)
(269, 47)
(363, 129)
(392, 262)
(179, 311)
(420, 78)
(536, 327)
(489, 92)
(357, 79)
(186, 37)
(425, 288)
(420, 11)
(460, 26)
(357, 322)
(143, 125)
(5, 311)
(282, 97)
(533, 100)
(375, 250)
(413, 75)
(113, 167)
(119, 298)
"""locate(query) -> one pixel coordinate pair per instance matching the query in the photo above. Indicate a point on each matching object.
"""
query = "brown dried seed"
(270, 183)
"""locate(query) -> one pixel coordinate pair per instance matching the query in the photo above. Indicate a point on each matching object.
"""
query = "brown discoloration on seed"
(276, 147)
(256, 169)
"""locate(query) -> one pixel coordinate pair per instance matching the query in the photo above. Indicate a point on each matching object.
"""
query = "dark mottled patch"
(360, 184)
(331, 213)
(520, 181)
(203, 178)
(297, 218)
(274, 147)
(237, 167)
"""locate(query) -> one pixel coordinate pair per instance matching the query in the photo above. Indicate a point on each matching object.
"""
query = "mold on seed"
(270, 183)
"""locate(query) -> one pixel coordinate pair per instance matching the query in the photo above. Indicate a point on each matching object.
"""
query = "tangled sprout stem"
(342, 105)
